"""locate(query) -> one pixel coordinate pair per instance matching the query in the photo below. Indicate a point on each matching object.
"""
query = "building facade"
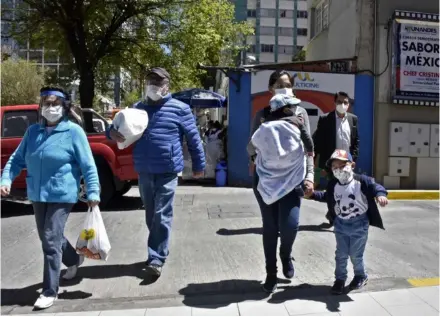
(33, 52)
(396, 42)
(281, 28)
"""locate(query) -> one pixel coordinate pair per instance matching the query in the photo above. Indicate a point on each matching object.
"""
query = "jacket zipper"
(41, 163)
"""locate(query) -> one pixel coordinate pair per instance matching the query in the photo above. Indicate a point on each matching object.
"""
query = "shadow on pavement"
(258, 230)
(305, 291)
(224, 293)
(27, 296)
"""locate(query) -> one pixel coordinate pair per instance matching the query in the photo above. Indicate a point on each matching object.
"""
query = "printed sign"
(416, 60)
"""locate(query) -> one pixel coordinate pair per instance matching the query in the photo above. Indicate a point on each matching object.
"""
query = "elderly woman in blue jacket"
(55, 153)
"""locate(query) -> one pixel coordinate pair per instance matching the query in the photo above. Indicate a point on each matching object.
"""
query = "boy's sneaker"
(154, 269)
(358, 282)
(44, 302)
(72, 270)
(270, 285)
(338, 287)
(288, 269)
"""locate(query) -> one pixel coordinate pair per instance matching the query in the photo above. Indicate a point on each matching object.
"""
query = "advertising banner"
(416, 60)
(316, 91)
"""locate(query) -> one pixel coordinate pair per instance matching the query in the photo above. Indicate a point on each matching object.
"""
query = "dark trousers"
(51, 219)
(281, 217)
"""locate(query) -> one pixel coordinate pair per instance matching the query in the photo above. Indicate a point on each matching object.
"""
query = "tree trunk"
(87, 94)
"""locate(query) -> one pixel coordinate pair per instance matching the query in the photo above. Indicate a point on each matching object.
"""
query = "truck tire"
(127, 186)
(107, 188)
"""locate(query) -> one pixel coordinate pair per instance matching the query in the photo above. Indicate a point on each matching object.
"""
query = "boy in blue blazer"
(351, 201)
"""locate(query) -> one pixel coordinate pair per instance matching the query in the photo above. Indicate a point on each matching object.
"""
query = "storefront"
(248, 94)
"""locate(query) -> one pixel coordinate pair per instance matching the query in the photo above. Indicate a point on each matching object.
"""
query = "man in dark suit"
(337, 129)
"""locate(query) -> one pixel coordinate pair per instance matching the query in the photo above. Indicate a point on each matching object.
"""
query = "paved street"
(216, 254)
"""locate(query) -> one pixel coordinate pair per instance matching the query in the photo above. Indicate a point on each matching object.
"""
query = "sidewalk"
(422, 301)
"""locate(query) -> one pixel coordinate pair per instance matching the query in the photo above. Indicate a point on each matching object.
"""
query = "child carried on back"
(278, 151)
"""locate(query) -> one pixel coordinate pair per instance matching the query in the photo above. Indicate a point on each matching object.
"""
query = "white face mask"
(341, 108)
(52, 114)
(284, 91)
(343, 175)
(154, 92)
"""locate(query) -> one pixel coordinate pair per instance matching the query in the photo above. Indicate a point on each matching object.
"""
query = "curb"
(413, 194)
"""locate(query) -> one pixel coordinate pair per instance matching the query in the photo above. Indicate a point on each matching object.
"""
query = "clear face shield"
(51, 107)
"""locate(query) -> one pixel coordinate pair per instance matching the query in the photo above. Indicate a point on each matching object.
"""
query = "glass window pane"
(15, 123)
(50, 57)
(36, 56)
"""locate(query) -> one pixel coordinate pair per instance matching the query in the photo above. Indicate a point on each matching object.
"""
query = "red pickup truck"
(115, 167)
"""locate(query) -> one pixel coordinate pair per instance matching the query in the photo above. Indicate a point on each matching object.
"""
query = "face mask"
(341, 108)
(343, 175)
(284, 91)
(52, 114)
(154, 92)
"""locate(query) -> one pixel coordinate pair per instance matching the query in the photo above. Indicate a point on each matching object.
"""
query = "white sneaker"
(44, 302)
(72, 270)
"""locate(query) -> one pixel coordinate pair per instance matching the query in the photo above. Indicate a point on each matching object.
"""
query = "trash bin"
(221, 174)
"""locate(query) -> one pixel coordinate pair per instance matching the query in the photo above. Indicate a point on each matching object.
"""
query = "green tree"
(130, 98)
(21, 82)
(300, 56)
(102, 35)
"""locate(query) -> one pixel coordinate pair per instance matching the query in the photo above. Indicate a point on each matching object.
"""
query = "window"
(266, 30)
(302, 32)
(299, 48)
(268, 13)
(15, 123)
(285, 49)
(251, 13)
(266, 48)
(286, 14)
(321, 20)
(302, 14)
(50, 57)
(285, 32)
(36, 56)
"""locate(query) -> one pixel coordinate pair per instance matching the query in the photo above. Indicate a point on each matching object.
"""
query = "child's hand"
(382, 201)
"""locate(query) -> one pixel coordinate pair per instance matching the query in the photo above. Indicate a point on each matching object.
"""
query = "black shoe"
(288, 269)
(154, 269)
(338, 287)
(271, 283)
(358, 282)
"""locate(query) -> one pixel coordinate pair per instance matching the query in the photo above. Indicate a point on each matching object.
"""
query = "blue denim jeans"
(280, 217)
(351, 239)
(51, 219)
(157, 194)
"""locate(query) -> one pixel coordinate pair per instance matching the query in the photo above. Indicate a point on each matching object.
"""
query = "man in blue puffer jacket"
(158, 158)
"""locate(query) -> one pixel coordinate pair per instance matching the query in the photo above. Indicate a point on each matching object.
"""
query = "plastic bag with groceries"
(93, 241)
(131, 123)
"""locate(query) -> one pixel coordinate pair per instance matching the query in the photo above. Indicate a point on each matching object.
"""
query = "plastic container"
(221, 174)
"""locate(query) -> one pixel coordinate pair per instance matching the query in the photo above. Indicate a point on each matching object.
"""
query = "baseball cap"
(341, 155)
(159, 71)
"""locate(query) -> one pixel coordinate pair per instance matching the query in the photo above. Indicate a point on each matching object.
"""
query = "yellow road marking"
(413, 195)
(423, 282)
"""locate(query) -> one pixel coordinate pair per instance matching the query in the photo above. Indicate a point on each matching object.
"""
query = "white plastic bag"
(93, 241)
(131, 123)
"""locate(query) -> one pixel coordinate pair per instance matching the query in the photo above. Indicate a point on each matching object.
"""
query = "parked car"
(115, 167)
